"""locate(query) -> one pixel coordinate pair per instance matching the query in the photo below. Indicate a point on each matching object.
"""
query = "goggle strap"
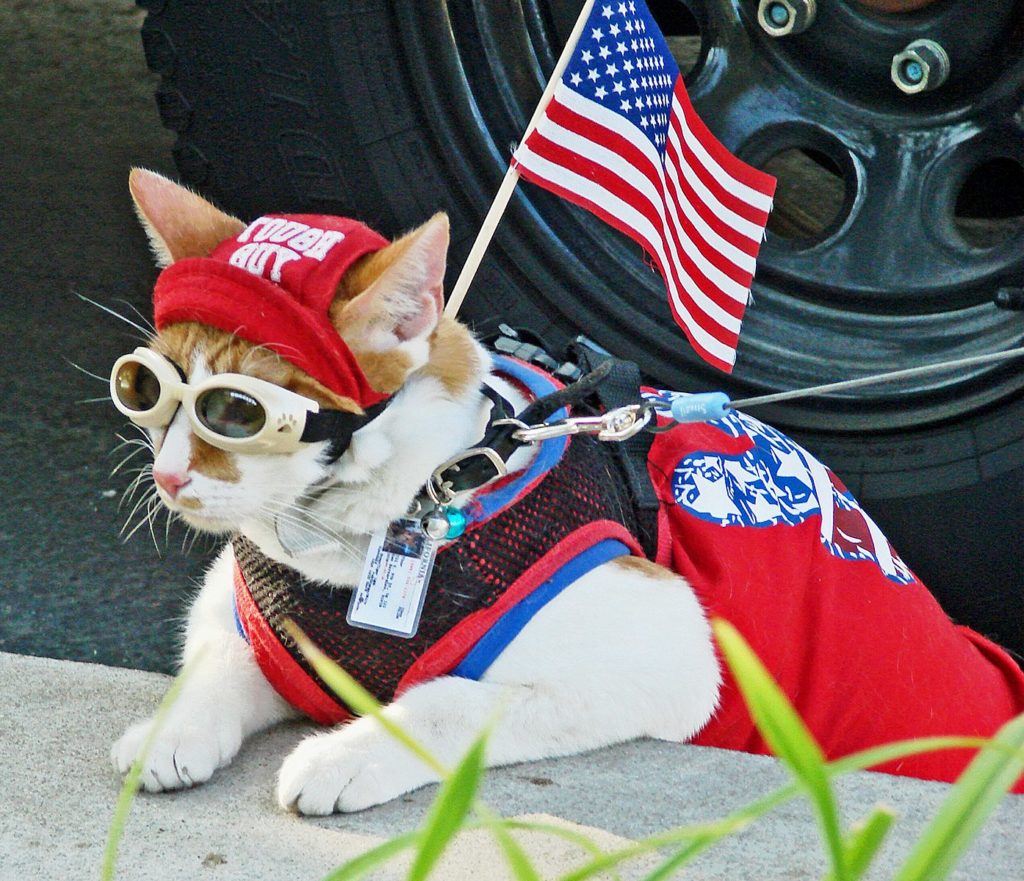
(338, 425)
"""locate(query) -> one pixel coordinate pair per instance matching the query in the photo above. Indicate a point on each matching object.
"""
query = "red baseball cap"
(272, 285)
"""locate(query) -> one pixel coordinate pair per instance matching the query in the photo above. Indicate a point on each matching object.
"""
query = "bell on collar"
(444, 523)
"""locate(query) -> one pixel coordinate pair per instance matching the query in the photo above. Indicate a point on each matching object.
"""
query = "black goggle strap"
(338, 425)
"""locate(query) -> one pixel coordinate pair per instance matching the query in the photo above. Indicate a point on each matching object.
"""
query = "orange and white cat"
(624, 652)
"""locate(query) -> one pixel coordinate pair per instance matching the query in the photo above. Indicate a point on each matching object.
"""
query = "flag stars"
(597, 34)
(587, 56)
(626, 104)
(621, 48)
(604, 52)
(614, 30)
(607, 12)
(611, 70)
(600, 92)
(618, 88)
(593, 74)
(644, 122)
(634, 85)
(622, 9)
(575, 78)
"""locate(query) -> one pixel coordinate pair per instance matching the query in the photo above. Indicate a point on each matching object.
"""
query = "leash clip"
(616, 425)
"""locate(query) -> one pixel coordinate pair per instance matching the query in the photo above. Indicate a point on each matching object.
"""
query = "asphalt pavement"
(76, 112)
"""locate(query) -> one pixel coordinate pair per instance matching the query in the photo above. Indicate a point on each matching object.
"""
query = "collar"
(483, 466)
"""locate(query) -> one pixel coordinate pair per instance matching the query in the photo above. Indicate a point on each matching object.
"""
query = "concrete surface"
(59, 793)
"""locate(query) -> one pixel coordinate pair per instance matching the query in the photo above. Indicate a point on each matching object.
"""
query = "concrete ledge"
(59, 718)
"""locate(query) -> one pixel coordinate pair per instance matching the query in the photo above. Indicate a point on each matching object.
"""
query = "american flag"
(620, 138)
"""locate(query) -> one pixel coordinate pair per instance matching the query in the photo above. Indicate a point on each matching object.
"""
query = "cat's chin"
(209, 525)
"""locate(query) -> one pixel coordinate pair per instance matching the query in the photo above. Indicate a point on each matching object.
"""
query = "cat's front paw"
(183, 754)
(346, 770)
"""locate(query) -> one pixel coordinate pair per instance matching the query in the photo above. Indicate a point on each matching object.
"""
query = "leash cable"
(709, 406)
(892, 376)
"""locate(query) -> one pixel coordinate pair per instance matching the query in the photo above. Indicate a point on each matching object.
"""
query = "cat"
(624, 651)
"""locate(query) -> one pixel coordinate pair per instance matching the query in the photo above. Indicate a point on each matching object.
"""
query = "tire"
(390, 111)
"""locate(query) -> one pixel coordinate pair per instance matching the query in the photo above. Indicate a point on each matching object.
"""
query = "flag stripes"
(639, 157)
(703, 238)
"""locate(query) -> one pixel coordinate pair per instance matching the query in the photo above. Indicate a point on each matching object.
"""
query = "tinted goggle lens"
(230, 413)
(137, 387)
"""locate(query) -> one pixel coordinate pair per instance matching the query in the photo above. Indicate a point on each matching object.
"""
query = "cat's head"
(386, 308)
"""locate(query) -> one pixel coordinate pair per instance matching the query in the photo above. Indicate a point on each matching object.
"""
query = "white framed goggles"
(228, 410)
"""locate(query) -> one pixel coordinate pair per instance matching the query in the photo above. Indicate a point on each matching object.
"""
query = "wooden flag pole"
(508, 184)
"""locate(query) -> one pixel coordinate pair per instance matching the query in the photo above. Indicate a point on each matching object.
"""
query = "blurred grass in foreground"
(850, 851)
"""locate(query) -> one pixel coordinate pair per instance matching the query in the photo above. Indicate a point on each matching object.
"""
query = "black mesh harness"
(577, 504)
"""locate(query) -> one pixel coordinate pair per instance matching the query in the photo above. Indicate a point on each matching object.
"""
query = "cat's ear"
(401, 304)
(179, 223)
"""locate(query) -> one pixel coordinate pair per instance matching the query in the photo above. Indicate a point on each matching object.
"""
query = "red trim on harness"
(446, 654)
(278, 666)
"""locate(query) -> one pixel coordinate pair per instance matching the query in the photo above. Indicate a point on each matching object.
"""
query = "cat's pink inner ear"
(406, 301)
(179, 223)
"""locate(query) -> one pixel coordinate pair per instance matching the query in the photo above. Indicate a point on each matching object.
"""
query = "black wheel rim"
(897, 278)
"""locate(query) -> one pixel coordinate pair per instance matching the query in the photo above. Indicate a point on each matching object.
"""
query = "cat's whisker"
(149, 324)
(314, 524)
(146, 333)
(128, 537)
(145, 500)
(152, 510)
(89, 373)
(167, 526)
(189, 538)
(140, 475)
(126, 460)
(128, 496)
(132, 442)
(305, 522)
(104, 400)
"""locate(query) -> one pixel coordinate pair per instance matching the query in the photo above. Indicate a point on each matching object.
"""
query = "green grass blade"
(901, 749)
(571, 835)
(371, 859)
(863, 843)
(696, 838)
(359, 700)
(786, 734)
(449, 810)
(130, 787)
(974, 796)
(680, 858)
(515, 856)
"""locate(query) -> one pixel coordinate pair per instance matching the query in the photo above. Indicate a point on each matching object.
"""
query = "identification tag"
(393, 586)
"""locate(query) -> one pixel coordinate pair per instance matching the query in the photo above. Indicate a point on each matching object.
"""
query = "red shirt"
(773, 542)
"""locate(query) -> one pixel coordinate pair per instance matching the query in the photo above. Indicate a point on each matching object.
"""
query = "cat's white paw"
(184, 754)
(346, 770)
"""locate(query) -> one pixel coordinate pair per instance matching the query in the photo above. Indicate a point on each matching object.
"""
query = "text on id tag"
(393, 586)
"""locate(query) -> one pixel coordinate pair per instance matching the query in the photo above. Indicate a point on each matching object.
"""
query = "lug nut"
(922, 66)
(779, 18)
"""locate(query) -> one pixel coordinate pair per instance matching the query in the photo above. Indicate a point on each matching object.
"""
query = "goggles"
(229, 411)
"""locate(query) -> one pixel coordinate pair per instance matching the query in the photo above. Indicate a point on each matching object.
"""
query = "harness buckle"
(616, 425)
(484, 463)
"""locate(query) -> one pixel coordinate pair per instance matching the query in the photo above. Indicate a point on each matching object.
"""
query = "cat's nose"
(171, 483)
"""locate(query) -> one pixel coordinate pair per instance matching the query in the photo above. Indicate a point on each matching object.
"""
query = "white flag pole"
(508, 184)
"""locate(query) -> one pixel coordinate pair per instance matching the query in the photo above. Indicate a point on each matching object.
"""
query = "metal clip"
(441, 489)
(616, 425)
